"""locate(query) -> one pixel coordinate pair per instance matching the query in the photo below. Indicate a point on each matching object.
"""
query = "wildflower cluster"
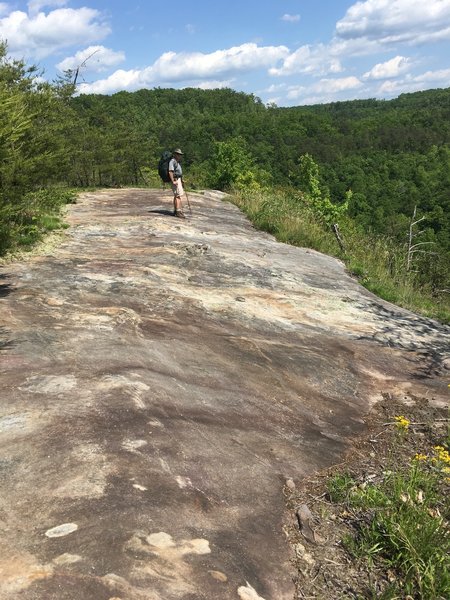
(402, 423)
(440, 460)
(441, 455)
(420, 457)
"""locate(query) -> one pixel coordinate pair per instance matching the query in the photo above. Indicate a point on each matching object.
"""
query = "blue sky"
(290, 52)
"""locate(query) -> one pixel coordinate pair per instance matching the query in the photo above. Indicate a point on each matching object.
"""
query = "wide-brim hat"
(177, 151)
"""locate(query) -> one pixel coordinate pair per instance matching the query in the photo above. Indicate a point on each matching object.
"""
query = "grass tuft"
(401, 522)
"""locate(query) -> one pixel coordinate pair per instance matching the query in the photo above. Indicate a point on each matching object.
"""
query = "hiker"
(176, 178)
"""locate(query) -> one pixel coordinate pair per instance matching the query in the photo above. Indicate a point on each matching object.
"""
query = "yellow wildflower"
(402, 422)
(442, 454)
(419, 456)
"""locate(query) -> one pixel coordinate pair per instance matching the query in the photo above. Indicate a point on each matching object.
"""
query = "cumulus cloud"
(337, 85)
(213, 85)
(291, 18)
(389, 69)
(174, 67)
(318, 60)
(441, 76)
(93, 58)
(423, 81)
(41, 35)
(34, 6)
(393, 21)
(274, 88)
(324, 90)
(370, 27)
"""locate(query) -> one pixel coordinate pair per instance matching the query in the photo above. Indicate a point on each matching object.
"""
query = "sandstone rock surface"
(162, 380)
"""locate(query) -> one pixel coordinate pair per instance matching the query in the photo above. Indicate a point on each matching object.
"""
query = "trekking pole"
(187, 197)
(189, 204)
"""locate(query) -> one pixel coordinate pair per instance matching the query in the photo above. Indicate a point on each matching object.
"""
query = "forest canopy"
(385, 162)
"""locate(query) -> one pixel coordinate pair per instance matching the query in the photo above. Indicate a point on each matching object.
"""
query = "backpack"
(163, 166)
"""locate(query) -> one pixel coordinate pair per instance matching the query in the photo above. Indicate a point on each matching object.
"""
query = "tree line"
(385, 162)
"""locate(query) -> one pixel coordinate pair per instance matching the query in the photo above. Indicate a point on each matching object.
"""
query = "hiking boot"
(179, 214)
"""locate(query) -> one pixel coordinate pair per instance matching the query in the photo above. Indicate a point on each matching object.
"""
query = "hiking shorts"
(177, 188)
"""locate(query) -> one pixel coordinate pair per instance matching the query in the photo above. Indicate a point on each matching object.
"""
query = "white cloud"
(4, 8)
(423, 81)
(323, 90)
(318, 60)
(370, 27)
(42, 34)
(389, 69)
(172, 67)
(392, 88)
(291, 18)
(275, 88)
(214, 85)
(34, 6)
(120, 80)
(393, 21)
(175, 67)
(337, 85)
(96, 59)
(441, 76)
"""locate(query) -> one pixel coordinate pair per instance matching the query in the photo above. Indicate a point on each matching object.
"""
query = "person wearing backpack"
(176, 179)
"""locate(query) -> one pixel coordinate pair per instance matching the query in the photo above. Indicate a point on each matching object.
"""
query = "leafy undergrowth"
(377, 526)
(23, 224)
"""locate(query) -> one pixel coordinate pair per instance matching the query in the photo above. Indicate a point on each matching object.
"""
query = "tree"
(231, 165)
(309, 183)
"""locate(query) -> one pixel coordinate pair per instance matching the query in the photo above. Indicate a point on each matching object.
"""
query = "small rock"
(61, 530)
(67, 559)
(248, 593)
(305, 521)
(240, 299)
(218, 576)
(290, 484)
(141, 488)
(300, 552)
(54, 302)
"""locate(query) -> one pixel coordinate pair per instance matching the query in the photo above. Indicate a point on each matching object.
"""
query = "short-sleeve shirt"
(175, 166)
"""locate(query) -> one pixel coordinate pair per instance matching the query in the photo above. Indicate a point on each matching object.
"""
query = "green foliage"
(232, 166)
(309, 181)
(35, 215)
(403, 529)
(33, 153)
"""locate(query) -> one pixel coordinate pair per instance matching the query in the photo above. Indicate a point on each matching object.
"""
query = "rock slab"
(162, 380)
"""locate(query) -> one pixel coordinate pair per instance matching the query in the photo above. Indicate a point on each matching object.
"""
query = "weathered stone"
(164, 416)
(61, 530)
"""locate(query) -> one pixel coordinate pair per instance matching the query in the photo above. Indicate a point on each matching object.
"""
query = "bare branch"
(82, 65)
(418, 221)
(419, 244)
